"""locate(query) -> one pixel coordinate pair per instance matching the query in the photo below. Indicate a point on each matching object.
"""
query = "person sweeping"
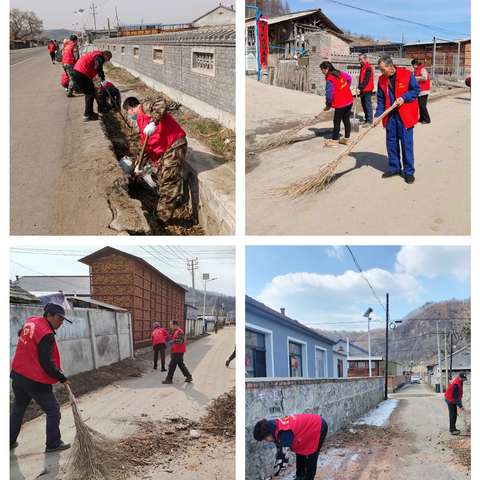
(303, 433)
(453, 397)
(35, 368)
(159, 343)
(339, 97)
(397, 86)
(177, 352)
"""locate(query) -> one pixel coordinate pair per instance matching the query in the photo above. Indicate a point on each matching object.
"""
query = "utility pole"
(434, 57)
(386, 344)
(94, 14)
(116, 16)
(108, 24)
(446, 360)
(192, 265)
(439, 359)
(451, 355)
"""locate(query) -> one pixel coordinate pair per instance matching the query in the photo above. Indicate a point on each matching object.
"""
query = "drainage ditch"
(125, 142)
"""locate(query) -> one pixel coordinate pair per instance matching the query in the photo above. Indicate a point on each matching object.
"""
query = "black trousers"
(341, 115)
(48, 403)
(307, 464)
(159, 348)
(452, 415)
(177, 359)
(84, 85)
(422, 106)
(52, 56)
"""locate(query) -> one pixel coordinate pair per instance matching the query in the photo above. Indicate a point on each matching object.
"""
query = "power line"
(398, 19)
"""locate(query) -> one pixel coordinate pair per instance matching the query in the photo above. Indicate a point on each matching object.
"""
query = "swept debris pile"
(461, 448)
(220, 417)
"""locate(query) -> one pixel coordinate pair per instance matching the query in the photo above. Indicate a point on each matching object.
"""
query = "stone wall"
(96, 337)
(166, 63)
(339, 401)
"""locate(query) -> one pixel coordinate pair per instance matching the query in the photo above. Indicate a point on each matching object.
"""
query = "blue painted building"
(278, 346)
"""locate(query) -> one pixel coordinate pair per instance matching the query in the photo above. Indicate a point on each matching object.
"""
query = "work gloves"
(150, 129)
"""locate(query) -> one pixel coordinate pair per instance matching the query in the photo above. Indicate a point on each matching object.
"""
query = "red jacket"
(51, 47)
(86, 64)
(167, 133)
(64, 80)
(449, 393)
(306, 429)
(408, 112)
(369, 86)
(26, 361)
(68, 56)
(178, 347)
(159, 335)
(342, 95)
(424, 84)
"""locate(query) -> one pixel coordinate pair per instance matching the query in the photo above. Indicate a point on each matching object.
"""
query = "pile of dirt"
(461, 447)
(220, 417)
(365, 436)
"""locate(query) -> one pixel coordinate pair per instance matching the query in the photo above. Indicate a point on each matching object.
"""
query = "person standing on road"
(159, 342)
(365, 87)
(453, 397)
(338, 96)
(423, 79)
(303, 433)
(167, 149)
(87, 67)
(35, 368)
(177, 352)
(70, 56)
(398, 86)
(52, 48)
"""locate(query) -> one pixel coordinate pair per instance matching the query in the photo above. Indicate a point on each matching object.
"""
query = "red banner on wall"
(263, 41)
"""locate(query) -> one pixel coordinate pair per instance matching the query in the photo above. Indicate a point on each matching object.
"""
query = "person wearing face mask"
(166, 149)
(35, 368)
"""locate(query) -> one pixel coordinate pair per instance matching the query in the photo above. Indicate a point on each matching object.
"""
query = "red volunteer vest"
(51, 47)
(425, 84)
(178, 347)
(167, 133)
(369, 86)
(64, 80)
(67, 57)
(159, 335)
(342, 96)
(26, 361)
(449, 392)
(408, 112)
(86, 64)
(306, 429)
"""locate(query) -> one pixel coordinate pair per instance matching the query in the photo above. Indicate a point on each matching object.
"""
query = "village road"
(112, 410)
(360, 202)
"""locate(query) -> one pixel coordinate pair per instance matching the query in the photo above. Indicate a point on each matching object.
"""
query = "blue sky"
(453, 16)
(319, 286)
(170, 260)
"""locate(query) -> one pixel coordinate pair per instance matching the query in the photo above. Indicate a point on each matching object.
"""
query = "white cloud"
(434, 261)
(337, 251)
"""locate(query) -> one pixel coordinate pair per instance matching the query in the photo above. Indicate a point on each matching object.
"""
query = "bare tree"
(24, 24)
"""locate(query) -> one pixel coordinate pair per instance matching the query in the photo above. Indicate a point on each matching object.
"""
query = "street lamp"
(206, 278)
(368, 315)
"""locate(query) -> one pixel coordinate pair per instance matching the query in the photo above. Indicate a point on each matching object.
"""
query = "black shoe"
(409, 178)
(455, 432)
(227, 363)
(390, 174)
(13, 445)
(155, 367)
(189, 379)
(70, 95)
(167, 381)
(164, 370)
(61, 446)
(90, 118)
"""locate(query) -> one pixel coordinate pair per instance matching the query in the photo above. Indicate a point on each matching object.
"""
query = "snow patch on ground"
(380, 415)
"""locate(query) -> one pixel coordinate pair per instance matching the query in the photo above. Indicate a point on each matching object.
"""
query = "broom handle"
(70, 393)
(119, 111)
(142, 153)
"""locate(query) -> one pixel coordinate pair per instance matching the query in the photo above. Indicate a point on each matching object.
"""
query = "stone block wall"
(339, 401)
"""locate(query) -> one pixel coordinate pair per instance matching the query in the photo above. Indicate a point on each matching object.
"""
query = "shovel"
(355, 122)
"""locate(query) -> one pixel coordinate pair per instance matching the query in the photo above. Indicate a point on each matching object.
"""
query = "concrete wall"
(95, 339)
(210, 94)
(339, 401)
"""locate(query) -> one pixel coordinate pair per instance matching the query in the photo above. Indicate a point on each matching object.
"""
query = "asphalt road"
(39, 140)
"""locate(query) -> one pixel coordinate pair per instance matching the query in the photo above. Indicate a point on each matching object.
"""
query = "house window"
(136, 52)
(339, 368)
(362, 364)
(157, 55)
(122, 50)
(203, 61)
(295, 359)
(320, 363)
(114, 48)
(255, 354)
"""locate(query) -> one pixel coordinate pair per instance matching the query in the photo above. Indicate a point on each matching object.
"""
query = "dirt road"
(112, 411)
(59, 165)
(361, 202)
(414, 444)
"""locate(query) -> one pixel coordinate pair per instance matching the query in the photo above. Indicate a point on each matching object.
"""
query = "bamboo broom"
(320, 181)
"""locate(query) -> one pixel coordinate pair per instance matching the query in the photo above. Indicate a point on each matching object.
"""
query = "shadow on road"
(365, 159)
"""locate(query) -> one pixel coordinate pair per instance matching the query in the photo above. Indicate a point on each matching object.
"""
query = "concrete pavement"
(111, 410)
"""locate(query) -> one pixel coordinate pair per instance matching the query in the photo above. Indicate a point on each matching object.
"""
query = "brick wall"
(339, 401)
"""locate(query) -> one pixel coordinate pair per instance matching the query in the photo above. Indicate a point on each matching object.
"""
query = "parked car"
(415, 379)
